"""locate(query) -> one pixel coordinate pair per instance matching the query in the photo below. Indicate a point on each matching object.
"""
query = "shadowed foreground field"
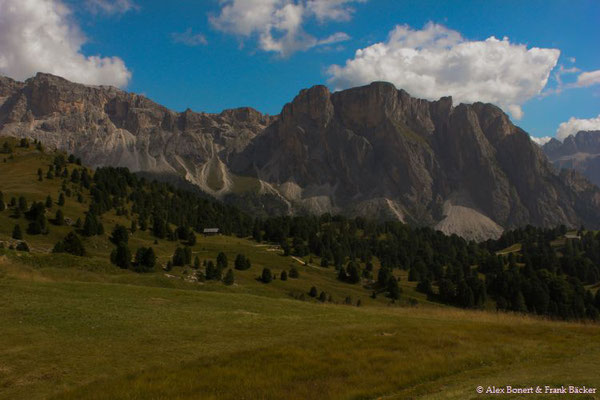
(94, 340)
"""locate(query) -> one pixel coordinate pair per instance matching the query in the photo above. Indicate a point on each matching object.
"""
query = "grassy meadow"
(82, 328)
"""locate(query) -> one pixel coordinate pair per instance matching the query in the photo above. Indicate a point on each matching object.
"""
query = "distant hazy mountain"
(579, 152)
(372, 150)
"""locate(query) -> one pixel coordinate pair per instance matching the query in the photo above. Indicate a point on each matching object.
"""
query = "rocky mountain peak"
(8, 86)
(580, 152)
(367, 106)
(372, 150)
(244, 114)
(310, 107)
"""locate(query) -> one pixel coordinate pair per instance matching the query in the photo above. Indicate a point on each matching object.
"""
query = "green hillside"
(18, 177)
(82, 328)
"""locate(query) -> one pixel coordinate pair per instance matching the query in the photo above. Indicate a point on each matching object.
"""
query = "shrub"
(313, 292)
(23, 246)
(294, 274)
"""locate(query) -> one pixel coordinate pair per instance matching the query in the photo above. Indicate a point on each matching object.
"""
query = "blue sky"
(191, 53)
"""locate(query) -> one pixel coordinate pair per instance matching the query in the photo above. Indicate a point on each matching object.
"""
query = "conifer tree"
(266, 275)
(191, 239)
(353, 274)
(70, 244)
(119, 235)
(145, 259)
(121, 256)
(242, 262)
(210, 271)
(229, 278)
(17, 233)
(222, 260)
(393, 289)
(59, 218)
(90, 226)
(22, 204)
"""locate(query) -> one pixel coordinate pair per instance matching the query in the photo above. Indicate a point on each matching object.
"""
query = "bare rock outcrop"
(371, 150)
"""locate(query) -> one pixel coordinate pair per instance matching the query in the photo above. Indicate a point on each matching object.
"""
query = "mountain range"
(373, 151)
(580, 152)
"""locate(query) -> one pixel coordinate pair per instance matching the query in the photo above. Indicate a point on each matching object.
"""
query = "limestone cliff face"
(107, 126)
(372, 150)
(580, 152)
(376, 150)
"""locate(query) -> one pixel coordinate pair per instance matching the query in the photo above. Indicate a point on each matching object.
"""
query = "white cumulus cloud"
(337, 10)
(278, 25)
(39, 36)
(540, 141)
(436, 61)
(588, 78)
(574, 125)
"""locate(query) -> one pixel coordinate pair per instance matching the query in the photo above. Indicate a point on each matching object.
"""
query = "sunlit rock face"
(373, 151)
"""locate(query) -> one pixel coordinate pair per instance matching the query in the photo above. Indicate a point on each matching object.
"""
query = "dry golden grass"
(80, 328)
